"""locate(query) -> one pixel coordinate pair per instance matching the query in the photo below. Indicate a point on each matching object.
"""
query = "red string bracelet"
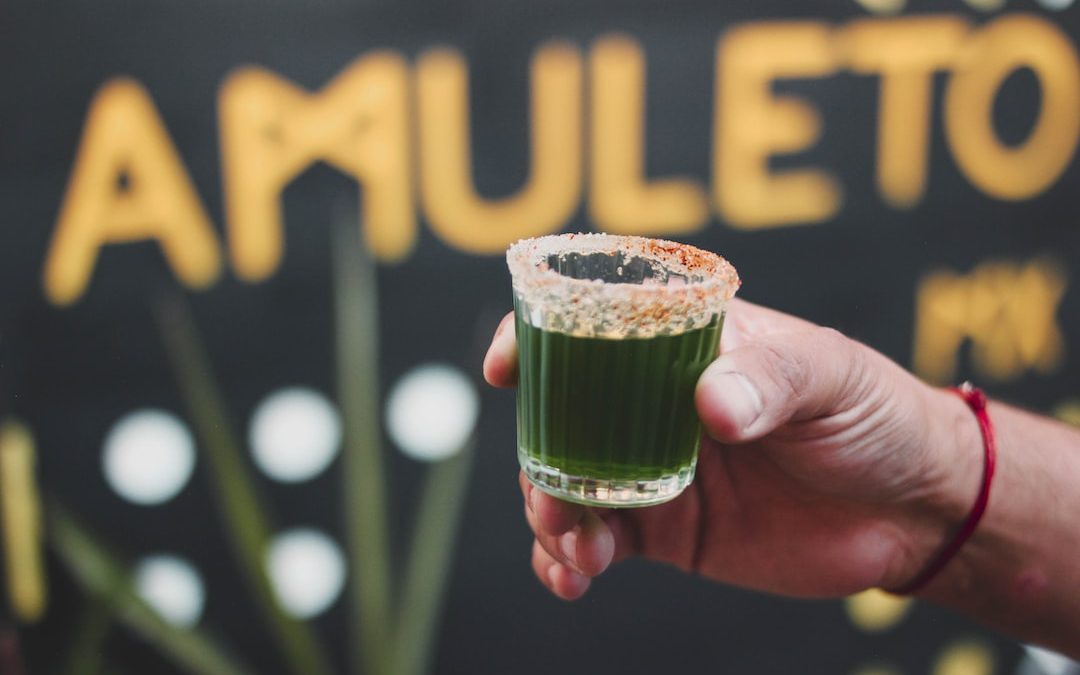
(976, 400)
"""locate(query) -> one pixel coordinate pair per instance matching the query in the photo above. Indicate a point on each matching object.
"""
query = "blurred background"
(251, 256)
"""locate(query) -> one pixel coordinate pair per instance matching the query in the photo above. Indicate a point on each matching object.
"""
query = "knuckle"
(831, 337)
(850, 360)
(788, 369)
(845, 372)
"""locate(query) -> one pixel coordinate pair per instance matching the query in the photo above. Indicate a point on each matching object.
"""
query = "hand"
(826, 469)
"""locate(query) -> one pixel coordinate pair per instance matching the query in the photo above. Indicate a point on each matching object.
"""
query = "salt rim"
(594, 308)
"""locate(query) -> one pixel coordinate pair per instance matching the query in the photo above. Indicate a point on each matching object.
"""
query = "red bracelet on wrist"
(976, 400)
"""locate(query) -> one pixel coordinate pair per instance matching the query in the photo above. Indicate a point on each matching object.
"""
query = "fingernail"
(605, 549)
(551, 576)
(534, 497)
(736, 395)
(568, 546)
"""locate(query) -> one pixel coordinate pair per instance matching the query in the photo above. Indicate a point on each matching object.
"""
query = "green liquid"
(604, 409)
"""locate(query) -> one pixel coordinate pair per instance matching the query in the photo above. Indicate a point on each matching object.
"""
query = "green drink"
(587, 405)
(613, 333)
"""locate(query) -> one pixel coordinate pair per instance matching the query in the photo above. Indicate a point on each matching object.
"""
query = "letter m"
(272, 131)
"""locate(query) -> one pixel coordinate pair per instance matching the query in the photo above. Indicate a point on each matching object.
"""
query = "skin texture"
(827, 469)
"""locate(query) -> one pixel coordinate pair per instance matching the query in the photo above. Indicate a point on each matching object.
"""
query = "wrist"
(1018, 572)
(954, 461)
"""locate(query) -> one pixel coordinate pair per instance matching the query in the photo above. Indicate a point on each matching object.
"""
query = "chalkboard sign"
(251, 254)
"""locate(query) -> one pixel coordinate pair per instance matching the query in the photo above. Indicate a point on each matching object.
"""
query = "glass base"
(607, 492)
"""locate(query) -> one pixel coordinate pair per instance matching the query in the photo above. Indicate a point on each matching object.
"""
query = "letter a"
(128, 184)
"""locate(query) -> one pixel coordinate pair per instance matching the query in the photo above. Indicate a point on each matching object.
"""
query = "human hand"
(826, 469)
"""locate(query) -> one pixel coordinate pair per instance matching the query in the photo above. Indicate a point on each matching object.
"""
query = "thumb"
(748, 392)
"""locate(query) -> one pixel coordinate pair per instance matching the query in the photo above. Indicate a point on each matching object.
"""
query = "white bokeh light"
(883, 6)
(986, 5)
(307, 571)
(172, 587)
(1051, 663)
(148, 456)
(1056, 5)
(431, 411)
(295, 433)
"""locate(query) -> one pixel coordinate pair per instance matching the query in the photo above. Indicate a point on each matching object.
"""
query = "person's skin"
(826, 470)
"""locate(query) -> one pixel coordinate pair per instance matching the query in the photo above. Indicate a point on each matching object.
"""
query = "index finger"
(553, 516)
(500, 364)
(747, 322)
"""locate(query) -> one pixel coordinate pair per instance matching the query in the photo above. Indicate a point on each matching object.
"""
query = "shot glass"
(613, 333)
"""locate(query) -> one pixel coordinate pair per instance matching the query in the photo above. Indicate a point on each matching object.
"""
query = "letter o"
(988, 57)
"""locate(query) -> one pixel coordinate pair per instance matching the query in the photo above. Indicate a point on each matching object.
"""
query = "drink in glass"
(613, 333)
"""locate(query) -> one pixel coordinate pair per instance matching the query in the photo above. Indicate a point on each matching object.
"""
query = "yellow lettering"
(906, 53)
(988, 57)
(1006, 310)
(1068, 412)
(271, 131)
(940, 325)
(128, 184)
(621, 201)
(20, 525)
(456, 213)
(751, 124)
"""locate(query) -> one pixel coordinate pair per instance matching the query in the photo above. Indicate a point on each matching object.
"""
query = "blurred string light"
(173, 587)
(883, 6)
(307, 570)
(897, 6)
(294, 434)
(148, 457)
(877, 669)
(986, 5)
(894, 7)
(874, 611)
(968, 657)
(432, 411)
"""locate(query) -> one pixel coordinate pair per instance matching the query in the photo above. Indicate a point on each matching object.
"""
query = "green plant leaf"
(430, 561)
(357, 336)
(244, 515)
(107, 582)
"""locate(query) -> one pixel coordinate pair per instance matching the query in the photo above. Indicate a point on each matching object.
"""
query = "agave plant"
(393, 618)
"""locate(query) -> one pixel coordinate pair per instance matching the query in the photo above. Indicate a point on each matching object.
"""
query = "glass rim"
(596, 307)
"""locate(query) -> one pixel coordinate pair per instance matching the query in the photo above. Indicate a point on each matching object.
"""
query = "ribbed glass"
(602, 419)
(608, 421)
